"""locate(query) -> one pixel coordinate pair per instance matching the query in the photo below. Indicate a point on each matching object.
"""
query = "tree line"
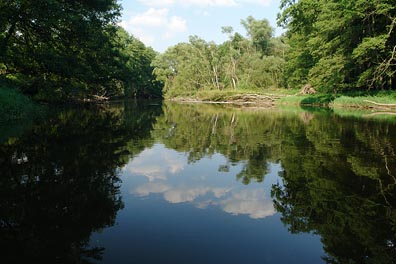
(340, 45)
(250, 62)
(61, 50)
(335, 46)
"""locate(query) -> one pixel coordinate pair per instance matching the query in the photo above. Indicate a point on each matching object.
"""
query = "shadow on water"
(59, 181)
(339, 173)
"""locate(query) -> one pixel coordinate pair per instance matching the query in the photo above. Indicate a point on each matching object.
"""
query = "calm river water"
(178, 183)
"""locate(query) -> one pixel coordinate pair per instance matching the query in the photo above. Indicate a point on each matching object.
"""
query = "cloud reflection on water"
(168, 173)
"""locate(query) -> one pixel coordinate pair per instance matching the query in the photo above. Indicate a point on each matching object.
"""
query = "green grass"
(16, 106)
(356, 100)
(360, 101)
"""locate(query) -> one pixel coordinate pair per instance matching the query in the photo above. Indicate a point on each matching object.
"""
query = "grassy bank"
(360, 100)
(348, 100)
(16, 106)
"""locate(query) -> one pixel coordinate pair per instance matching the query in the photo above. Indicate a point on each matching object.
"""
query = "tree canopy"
(254, 61)
(340, 45)
(73, 49)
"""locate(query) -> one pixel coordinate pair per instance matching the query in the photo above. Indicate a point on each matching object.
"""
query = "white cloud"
(157, 2)
(173, 164)
(247, 202)
(143, 35)
(204, 3)
(220, 192)
(251, 202)
(143, 165)
(177, 24)
(150, 172)
(182, 195)
(257, 2)
(209, 2)
(163, 169)
(179, 194)
(158, 22)
(151, 18)
(151, 187)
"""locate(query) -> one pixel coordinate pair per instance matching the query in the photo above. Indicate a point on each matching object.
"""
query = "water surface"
(179, 183)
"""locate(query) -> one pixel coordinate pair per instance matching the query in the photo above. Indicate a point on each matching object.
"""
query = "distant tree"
(252, 62)
(260, 33)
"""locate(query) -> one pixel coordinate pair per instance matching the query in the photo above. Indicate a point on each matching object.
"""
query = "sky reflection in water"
(193, 212)
(168, 173)
(152, 183)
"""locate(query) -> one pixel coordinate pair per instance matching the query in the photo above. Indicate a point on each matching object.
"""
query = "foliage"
(137, 75)
(352, 99)
(255, 62)
(340, 45)
(69, 50)
(15, 106)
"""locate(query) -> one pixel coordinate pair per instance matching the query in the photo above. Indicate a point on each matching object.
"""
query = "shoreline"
(258, 100)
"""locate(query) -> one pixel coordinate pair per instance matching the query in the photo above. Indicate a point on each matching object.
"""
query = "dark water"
(152, 183)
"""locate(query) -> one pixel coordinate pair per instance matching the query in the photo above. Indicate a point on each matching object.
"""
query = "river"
(154, 182)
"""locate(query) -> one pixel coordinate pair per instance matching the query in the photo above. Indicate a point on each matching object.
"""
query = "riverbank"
(16, 106)
(273, 97)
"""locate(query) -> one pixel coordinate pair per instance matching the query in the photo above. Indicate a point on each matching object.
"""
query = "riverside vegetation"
(76, 52)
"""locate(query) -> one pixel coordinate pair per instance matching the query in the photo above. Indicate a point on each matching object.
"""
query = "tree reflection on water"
(60, 179)
(59, 182)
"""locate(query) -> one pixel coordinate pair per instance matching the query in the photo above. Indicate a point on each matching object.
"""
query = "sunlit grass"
(291, 97)
(362, 101)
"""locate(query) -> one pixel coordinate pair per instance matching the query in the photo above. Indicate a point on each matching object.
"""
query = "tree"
(340, 45)
(137, 72)
(253, 62)
(66, 52)
(260, 32)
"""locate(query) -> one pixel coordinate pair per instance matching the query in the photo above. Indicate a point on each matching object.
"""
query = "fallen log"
(379, 104)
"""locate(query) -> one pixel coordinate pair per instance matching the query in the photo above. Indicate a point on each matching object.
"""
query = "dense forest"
(335, 46)
(252, 62)
(73, 50)
(340, 45)
(76, 51)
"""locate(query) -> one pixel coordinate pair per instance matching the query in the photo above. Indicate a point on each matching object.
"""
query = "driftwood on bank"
(255, 99)
(379, 104)
(249, 100)
(95, 99)
(307, 89)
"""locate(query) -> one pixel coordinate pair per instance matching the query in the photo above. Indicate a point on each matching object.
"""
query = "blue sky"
(164, 23)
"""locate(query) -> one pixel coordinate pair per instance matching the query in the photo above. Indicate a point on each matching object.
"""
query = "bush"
(15, 106)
